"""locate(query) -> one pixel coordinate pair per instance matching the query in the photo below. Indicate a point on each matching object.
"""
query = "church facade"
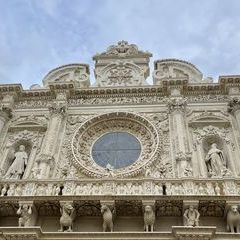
(121, 158)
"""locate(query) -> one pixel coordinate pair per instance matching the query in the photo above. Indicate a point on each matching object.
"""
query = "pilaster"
(57, 114)
(177, 109)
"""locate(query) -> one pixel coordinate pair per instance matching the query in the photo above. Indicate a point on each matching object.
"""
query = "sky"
(39, 35)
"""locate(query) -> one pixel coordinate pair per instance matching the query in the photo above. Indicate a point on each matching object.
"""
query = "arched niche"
(206, 128)
(204, 137)
(221, 145)
(30, 139)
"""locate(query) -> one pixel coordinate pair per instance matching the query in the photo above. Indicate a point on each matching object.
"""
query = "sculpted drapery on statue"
(215, 161)
(18, 166)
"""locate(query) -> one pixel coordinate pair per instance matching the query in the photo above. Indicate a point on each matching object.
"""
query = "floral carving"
(84, 137)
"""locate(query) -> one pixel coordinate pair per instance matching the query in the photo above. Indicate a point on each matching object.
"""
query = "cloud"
(36, 36)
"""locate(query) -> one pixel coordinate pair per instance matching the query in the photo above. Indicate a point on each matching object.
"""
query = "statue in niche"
(215, 161)
(18, 166)
(191, 217)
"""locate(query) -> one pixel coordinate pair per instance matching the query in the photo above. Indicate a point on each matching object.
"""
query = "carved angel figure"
(215, 161)
(17, 168)
(107, 218)
(68, 215)
(191, 217)
(149, 218)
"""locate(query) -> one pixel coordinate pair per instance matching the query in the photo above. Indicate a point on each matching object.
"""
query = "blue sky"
(39, 35)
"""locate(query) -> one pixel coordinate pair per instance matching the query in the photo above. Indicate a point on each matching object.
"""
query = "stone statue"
(233, 219)
(17, 168)
(67, 218)
(149, 218)
(215, 161)
(107, 218)
(191, 217)
(4, 190)
(27, 217)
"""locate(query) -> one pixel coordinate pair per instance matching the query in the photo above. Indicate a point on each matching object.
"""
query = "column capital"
(46, 158)
(188, 203)
(5, 112)
(58, 108)
(177, 104)
(233, 105)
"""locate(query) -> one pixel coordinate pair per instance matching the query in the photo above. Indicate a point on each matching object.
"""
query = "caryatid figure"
(191, 217)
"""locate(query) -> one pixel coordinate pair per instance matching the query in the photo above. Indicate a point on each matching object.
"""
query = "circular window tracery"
(92, 130)
(116, 150)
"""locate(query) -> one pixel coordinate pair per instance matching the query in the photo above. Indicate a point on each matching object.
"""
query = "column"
(5, 115)
(234, 108)
(51, 140)
(6, 109)
(177, 107)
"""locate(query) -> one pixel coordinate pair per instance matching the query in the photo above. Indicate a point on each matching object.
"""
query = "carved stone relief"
(83, 138)
(121, 74)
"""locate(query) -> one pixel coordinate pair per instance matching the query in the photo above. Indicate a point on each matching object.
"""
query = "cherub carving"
(149, 218)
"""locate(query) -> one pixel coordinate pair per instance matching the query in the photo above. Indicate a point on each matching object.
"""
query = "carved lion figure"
(233, 219)
(68, 215)
(149, 218)
(107, 218)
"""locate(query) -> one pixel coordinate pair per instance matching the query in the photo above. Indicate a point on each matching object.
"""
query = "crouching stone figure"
(191, 217)
(67, 218)
(107, 218)
(149, 218)
(233, 219)
(27, 215)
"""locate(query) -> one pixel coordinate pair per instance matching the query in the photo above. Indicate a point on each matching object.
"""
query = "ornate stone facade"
(166, 165)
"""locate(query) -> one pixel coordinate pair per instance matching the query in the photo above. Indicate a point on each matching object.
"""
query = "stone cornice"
(186, 89)
(36, 233)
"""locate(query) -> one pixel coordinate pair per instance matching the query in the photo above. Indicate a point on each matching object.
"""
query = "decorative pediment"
(174, 69)
(75, 73)
(30, 122)
(209, 118)
(121, 74)
(122, 65)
